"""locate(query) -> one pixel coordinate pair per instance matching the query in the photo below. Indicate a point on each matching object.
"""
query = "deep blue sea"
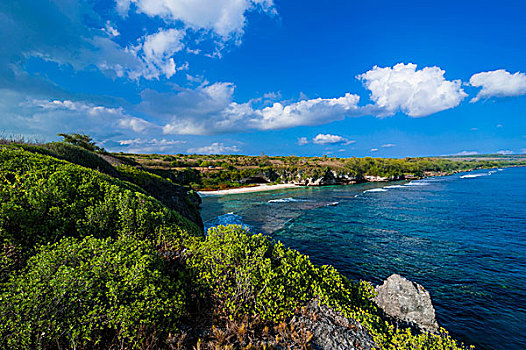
(463, 237)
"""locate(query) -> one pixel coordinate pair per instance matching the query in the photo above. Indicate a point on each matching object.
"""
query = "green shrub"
(81, 140)
(172, 195)
(249, 274)
(43, 199)
(73, 154)
(88, 294)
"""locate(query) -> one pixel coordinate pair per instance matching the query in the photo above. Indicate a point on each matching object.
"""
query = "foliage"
(249, 275)
(73, 154)
(174, 196)
(81, 140)
(128, 269)
(43, 199)
(88, 294)
(228, 171)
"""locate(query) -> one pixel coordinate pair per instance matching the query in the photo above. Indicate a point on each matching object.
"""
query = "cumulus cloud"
(388, 145)
(224, 17)
(498, 83)
(74, 35)
(157, 50)
(307, 112)
(211, 109)
(214, 148)
(48, 117)
(328, 139)
(374, 149)
(505, 152)
(417, 93)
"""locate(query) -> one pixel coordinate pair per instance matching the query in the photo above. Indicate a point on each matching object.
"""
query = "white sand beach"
(260, 188)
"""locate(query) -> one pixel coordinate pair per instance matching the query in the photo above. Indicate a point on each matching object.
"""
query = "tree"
(81, 140)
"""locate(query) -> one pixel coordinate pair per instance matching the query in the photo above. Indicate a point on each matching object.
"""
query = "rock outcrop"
(407, 302)
(332, 331)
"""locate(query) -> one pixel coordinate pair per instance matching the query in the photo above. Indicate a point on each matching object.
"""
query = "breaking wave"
(286, 200)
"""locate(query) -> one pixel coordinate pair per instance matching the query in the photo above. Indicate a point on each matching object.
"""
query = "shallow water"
(463, 237)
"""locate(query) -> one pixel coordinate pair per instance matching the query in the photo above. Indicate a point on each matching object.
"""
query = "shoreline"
(260, 188)
(266, 187)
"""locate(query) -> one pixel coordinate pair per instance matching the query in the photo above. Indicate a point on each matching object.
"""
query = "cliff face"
(328, 177)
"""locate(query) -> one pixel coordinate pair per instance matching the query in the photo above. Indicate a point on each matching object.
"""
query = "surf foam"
(286, 200)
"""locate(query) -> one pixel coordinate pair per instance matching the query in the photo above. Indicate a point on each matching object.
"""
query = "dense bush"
(168, 193)
(81, 140)
(90, 293)
(73, 154)
(43, 199)
(250, 275)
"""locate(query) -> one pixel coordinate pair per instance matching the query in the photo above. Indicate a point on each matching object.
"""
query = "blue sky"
(346, 78)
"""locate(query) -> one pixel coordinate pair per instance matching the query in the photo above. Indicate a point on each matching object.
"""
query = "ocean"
(463, 237)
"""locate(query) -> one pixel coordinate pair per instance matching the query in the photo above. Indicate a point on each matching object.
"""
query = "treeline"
(227, 171)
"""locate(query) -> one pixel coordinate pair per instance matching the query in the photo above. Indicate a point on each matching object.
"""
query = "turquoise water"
(462, 237)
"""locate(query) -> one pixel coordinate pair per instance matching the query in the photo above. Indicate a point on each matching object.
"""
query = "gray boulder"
(332, 331)
(407, 302)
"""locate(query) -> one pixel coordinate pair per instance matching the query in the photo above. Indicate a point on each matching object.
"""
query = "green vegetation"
(75, 292)
(212, 172)
(81, 140)
(98, 256)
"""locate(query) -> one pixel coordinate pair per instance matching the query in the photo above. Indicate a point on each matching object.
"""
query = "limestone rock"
(407, 301)
(332, 331)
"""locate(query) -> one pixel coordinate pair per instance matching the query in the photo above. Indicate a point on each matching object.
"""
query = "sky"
(345, 78)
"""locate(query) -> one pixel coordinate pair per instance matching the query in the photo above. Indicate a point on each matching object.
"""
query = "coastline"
(260, 188)
(266, 187)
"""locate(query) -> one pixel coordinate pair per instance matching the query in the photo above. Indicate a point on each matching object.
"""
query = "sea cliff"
(98, 255)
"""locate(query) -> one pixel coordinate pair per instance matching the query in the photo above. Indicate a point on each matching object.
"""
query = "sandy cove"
(260, 188)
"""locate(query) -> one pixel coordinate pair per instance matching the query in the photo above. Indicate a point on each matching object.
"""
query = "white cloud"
(224, 17)
(498, 83)
(214, 148)
(374, 149)
(210, 109)
(308, 112)
(47, 117)
(150, 145)
(388, 145)
(111, 30)
(465, 153)
(417, 93)
(77, 106)
(505, 152)
(303, 141)
(156, 52)
(328, 139)
(136, 124)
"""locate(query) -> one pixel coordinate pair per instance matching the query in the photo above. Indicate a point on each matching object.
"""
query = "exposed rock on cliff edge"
(332, 331)
(407, 302)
